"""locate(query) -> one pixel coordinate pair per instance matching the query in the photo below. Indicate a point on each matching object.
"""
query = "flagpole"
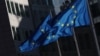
(58, 46)
(76, 42)
(57, 42)
(59, 50)
(93, 29)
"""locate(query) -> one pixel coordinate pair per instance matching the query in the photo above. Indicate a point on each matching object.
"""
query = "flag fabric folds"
(44, 27)
(76, 16)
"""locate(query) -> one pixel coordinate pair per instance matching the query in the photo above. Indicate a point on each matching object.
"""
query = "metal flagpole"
(75, 39)
(58, 46)
(59, 50)
(76, 43)
(93, 29)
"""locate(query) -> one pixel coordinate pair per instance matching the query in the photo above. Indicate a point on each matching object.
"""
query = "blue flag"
(76, 16)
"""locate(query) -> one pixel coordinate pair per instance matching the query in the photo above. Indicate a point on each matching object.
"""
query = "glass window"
(31, 32)
(31, 55)
(22, 10)
(67, 44)
(36, 2)
(46, 12)
(39, 2)
(19, 54)
(22, 55)
(84, 41)
(34, 18)
(13, 9)
(87, 40)
(44, 2)
(51, 47)
(18, 34)
(50, 2)
(81, 42)
(14, 32)
(27, 35)
(34, 14)
(8, 6)
(33, 1)
(23, 34)
(95, 10)
(17, 9)
(27, 11)
(40, 15)
(95, 1)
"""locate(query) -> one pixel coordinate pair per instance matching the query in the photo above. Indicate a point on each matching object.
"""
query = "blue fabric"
(43, 28)
(76, 16)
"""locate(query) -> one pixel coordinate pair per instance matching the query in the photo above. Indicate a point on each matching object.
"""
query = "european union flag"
(77, 15)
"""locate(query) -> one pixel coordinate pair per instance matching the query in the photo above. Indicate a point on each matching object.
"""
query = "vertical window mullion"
(14, 32)
(13, 9)
(18, 34)
(8, 6)
(27, 11)
(22, 10)
(17, 9)
(44, 2)
(26, 33)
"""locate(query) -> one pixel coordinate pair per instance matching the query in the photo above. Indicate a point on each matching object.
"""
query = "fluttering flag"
(77, 15)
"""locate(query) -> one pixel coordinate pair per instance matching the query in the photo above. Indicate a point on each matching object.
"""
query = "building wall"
(19, 15)
(21, 23)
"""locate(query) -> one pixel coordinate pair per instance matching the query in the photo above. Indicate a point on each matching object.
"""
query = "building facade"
(21, 23)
